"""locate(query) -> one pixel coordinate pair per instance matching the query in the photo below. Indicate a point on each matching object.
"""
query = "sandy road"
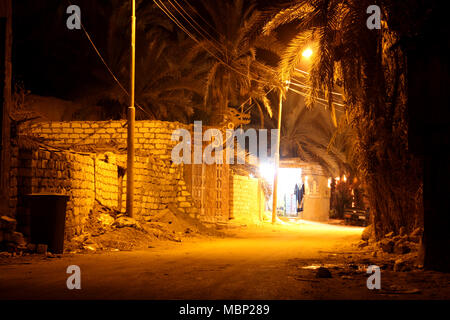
(256, 263)
(252, 265)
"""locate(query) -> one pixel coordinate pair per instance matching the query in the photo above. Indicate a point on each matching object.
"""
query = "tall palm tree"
(370, 67)
(309, 134)
(167, 84)
(228, 44)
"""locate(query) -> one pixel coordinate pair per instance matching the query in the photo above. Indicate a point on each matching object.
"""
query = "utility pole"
(277, 162)
(131, 118)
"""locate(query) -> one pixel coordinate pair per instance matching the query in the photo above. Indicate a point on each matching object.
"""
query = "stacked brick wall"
(45, 171)
(158, 184)
(89, 177)
(81, 191)
(106, 182)
(247, 200)
(152, 137)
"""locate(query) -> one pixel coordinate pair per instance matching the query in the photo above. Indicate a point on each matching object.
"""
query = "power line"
(106, 65)
(307, 87)
(318, 102)
(204, 20)
(179, 24)
(194, 21)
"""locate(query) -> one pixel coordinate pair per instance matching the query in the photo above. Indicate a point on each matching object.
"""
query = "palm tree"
(370, 67)
(227, 43)
(167, 84)
(310, 135)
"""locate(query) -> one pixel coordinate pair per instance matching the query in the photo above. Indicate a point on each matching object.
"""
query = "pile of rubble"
(403, 249)
(110, 230)
(11, 241)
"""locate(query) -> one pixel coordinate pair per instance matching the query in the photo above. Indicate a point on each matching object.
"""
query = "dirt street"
(252, 263)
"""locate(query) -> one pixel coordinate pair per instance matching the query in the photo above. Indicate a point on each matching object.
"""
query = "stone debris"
(367, 233)
(106, 219)
(323, 273)
(416, 235)
(387, 245)
(402, 264)
(362, 244)
(7, 223)
(398, 252)
(41, 249)
(124, 221)
(11, 240)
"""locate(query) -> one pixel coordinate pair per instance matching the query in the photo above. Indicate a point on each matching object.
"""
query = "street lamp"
(277, 157)
(307, 53)
(131, 118)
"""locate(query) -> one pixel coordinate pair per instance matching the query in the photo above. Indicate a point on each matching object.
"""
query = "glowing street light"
(307, 53)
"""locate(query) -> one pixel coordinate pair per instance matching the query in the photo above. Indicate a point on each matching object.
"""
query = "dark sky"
(48, 58)
(53, 61)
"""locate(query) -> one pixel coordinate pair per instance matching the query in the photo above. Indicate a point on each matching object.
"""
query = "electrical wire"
(106, 65)
(307, 87)
(180, 25)
(318, 102)
(211, 38)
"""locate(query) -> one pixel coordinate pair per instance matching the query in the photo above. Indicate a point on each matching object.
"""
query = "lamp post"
(277, 162)
(307, 53)
(131, 118)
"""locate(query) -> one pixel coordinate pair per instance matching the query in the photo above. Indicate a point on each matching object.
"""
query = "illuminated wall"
(317, 195)
(89, 177)
(247, 201)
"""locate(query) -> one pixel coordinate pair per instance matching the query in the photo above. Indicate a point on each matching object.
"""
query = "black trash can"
(48, 219)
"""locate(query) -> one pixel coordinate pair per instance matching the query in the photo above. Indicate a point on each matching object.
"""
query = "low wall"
(151, 136)
(60, 172)
(98, 177)
(90, 177)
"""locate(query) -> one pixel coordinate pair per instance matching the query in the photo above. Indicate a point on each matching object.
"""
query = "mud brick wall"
(44, 171)
(13, 187)
(247, 201)
(158, 184)
(101, 177)
(106, 182)
(152, 137)
(81, 191)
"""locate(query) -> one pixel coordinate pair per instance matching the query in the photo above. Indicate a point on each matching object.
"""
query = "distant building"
(314, 201)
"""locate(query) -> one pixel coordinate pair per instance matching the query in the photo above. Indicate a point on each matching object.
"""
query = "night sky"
(51, 60)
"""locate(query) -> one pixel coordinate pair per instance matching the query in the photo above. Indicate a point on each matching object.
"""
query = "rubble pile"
(110, 230)
(11, 241)
(401, 250)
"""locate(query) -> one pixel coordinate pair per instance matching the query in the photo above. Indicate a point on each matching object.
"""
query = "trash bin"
(48, 219)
